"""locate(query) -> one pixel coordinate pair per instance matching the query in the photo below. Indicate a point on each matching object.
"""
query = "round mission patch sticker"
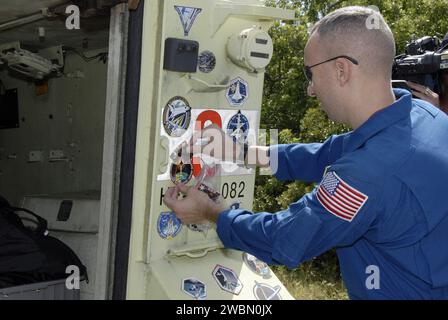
(176, 116)
(206, 61)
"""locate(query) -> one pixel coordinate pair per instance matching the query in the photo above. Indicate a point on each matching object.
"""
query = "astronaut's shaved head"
(361, 33)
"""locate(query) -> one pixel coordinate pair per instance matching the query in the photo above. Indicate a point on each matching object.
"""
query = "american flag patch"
(339, 198)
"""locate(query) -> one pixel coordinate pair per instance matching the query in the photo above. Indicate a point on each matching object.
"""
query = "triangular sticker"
(187, 16)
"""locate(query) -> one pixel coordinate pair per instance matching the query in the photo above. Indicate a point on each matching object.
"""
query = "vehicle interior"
(56, 103)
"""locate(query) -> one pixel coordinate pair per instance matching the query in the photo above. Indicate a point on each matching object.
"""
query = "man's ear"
(343, 71)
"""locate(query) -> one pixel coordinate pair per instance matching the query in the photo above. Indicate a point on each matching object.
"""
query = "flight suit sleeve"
(304, 161)
(336, 213)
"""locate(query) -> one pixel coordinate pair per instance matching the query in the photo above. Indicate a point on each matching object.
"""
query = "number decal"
(234, 190)
(225, 190)
(242, 186)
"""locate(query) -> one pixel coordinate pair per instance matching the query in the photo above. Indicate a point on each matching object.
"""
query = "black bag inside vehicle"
(31, 255)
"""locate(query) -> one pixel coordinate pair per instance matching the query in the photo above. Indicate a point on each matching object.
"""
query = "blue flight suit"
(396, 165)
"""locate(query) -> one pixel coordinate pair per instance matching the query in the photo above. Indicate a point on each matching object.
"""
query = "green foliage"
(267, 190)
(284, 102)
(316, 127)
(287, 107)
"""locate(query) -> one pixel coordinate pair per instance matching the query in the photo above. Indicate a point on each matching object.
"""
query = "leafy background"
(287, 107)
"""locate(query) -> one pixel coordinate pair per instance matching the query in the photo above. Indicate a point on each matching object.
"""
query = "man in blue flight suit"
(381, 199)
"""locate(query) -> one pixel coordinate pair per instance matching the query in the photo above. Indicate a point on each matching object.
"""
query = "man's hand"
(424, 93)
(217, 144)
(196, 207)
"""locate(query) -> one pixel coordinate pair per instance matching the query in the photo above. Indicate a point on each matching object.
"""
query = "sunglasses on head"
(309, 73)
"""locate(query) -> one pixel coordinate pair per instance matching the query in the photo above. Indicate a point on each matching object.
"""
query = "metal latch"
(195, 252)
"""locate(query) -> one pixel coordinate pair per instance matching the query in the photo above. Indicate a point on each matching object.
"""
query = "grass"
(318, 279)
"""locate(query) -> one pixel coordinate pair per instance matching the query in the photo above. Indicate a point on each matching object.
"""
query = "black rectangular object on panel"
(181, 55)
(9, 109)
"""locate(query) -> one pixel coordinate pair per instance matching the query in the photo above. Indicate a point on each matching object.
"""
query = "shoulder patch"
(339, 198)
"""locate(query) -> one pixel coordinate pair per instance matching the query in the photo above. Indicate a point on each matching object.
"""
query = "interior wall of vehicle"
(69, 121)
(69, 118)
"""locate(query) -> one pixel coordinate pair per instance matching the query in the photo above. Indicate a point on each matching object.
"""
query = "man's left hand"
(196, 207)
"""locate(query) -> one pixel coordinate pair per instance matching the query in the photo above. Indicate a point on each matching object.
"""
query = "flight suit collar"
(379, 121)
